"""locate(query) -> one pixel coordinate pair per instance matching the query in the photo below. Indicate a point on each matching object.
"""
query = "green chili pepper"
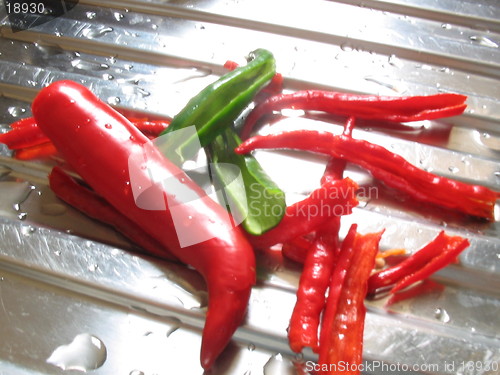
(260, 202)
(218, 105)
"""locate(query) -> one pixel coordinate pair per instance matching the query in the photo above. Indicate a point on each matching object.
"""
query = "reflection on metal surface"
(62, 274)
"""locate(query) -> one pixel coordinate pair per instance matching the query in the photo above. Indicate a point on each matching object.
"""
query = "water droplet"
(92, 33)
(346, 47)
(108, 126)
(251, 347)
(53, 209)
(453, 169)
(128, 67)
(118, 16)
(88, 65)
(22, 216)
(114, 100)
(277, 365)
(441, 315)
(16, 111)
(142, 92)
(136, 372)
(446, 26)
(497, 174)
(86, 352)
(28, 230)
(57, 253)
(108, 77)
(482, 40)
(93, 267)
(90, 15)
(395, 61)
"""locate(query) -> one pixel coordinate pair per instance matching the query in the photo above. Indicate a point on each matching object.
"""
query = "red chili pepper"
(43, 150)
(341, 340)
(106, 150)
(92, 205)
(453, 247)
(386, 166)
(30, 143)
(334, 198)
(24, 133)
(385, 108)
(313, 283)
(417, 260)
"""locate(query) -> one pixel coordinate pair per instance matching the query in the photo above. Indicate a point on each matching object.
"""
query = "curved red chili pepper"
(408, 266)
(388, 167)
(454, 246)
(333, 198)
(386, 108)
(102, 147)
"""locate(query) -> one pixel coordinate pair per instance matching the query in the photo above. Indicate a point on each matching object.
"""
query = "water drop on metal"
(114, 100)
(483, 41)
(85, 353)
(118, 16)
(441, 315)
(277, 365)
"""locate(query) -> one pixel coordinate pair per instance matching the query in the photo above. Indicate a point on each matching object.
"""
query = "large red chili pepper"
(386, 108)
(386, 166)
(105, 149)
(333, 198)
(341, 340)
(94, 206)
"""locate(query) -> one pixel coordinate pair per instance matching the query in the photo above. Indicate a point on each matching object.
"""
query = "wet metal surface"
(70, 285)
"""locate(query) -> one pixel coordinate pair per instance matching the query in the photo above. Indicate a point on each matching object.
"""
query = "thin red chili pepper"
(106, 150)
(341, 340)
(334, 198)
(385, 108)
(417, 260)
(386, 166)
(92, 205)
(25, 133)
(454, 246)
(425, 287)
(40, 151)
(313, 283)
(318, 266)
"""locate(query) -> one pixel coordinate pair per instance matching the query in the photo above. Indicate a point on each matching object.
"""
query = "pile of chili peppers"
(102, 146)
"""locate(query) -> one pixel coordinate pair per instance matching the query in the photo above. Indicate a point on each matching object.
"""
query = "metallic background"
(62, 275)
